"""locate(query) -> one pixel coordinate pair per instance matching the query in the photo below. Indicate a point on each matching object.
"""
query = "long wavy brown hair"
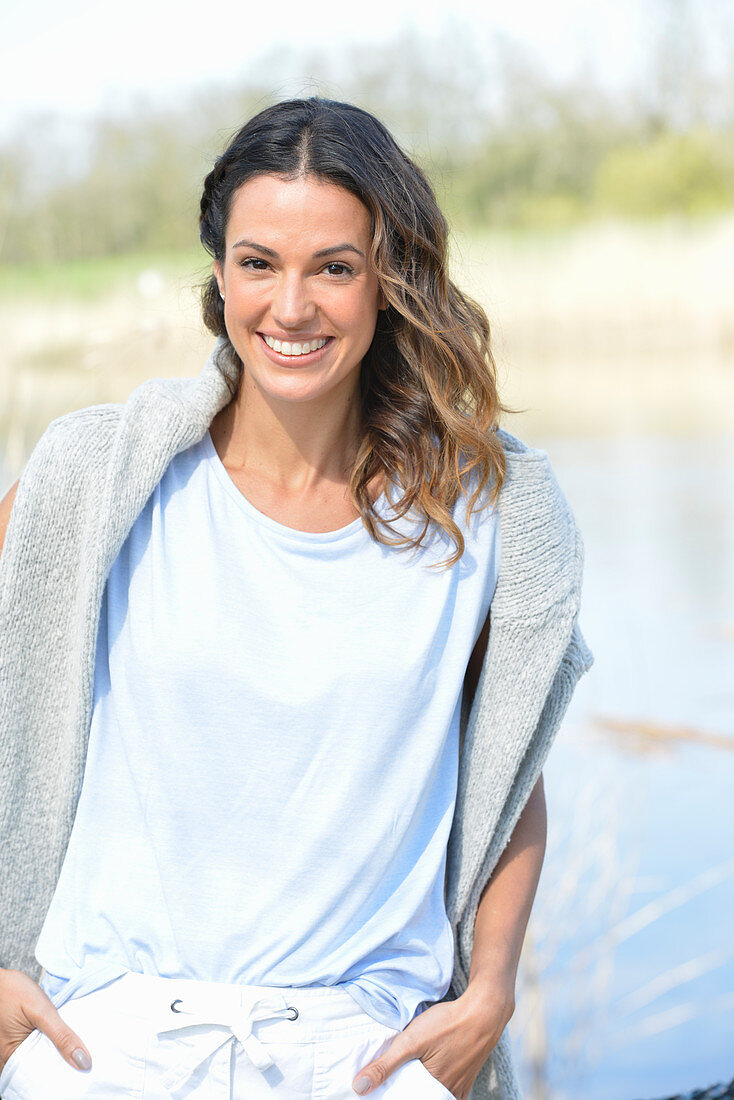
(429, 401)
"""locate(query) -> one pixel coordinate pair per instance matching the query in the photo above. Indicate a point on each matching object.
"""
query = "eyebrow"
(346, 247)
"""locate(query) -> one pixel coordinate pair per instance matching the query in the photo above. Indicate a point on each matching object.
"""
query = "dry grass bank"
(610, 329)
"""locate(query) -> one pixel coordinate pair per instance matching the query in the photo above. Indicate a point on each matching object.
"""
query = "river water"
(634, 908)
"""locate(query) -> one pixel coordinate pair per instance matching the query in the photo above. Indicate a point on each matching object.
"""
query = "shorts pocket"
(41, 1071)
(439, 1089)
(339, 1057)
(16, 1057)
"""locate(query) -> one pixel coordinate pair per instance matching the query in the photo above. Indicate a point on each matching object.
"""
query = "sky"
(83, 57)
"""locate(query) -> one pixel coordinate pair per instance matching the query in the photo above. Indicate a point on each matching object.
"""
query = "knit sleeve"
(67, 456)
(576, 660)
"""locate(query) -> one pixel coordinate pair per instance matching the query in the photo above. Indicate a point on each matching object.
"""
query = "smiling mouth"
(294, 348)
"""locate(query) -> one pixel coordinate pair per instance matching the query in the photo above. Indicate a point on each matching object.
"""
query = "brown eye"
(254, 260)
(345, 268)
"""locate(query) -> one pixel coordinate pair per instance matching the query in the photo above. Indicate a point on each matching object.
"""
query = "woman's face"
(295, 277)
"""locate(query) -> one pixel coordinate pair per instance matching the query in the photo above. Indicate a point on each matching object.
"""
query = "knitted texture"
(86, 481)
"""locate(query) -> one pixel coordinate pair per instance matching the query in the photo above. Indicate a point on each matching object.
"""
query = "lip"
(306, 337)
(296, 360)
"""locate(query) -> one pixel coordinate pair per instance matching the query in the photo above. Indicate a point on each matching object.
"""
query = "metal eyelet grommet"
(294, 1010)
(174, 1003)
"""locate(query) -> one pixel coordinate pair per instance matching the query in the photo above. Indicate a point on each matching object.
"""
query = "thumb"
(377, 1071)
(66, 1041)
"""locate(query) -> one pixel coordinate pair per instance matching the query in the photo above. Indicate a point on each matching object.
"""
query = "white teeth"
(286, 348)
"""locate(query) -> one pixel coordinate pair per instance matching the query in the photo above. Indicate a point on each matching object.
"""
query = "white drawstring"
(238, 1022)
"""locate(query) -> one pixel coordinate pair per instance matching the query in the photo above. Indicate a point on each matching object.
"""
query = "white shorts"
(154, 1038)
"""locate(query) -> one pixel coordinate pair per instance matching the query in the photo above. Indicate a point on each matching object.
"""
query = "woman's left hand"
(453, 1040)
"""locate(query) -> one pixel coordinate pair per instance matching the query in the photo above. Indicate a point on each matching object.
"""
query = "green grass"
(96, 277)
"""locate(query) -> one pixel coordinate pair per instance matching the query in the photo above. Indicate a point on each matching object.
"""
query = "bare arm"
(505, 905)
(6, 505)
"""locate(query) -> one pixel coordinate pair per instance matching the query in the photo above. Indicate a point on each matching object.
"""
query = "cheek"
(246, 304)
(358, 312)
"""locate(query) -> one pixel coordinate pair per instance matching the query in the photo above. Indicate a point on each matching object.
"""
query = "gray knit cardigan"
(85, 482)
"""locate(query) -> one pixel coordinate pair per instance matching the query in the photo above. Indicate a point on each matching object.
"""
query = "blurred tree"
(503, 142)
(685, 174)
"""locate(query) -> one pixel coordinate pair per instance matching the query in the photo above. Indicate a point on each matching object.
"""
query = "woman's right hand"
(24, 1006)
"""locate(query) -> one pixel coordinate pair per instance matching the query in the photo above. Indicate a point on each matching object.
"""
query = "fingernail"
(81, 1059)
(362, 1085)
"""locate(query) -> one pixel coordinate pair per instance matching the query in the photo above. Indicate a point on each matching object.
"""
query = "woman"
(273, 815)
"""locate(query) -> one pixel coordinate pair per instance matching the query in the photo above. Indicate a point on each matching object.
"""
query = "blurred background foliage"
(505, 145)
(595, 224)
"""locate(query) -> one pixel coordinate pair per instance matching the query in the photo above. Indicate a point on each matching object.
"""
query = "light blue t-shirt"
(271, 772)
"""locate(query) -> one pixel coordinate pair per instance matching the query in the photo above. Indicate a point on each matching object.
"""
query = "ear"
(218, 276)
(381, 300)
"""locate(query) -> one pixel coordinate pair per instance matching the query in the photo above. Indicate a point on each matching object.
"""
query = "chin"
(291, 389)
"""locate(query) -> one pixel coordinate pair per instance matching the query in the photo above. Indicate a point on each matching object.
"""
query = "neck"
(295, 446)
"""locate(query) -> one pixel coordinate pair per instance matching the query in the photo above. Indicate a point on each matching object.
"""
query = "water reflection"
(631, 931)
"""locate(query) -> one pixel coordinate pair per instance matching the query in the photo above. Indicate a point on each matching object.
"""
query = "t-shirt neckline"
(220, 471)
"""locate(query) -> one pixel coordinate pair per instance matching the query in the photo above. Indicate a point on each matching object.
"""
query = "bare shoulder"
(6, 506)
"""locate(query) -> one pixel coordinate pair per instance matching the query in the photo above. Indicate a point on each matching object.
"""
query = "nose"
(292, 304)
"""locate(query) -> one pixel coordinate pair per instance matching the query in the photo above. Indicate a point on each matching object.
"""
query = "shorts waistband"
(213, 1014)
(321, 1010)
